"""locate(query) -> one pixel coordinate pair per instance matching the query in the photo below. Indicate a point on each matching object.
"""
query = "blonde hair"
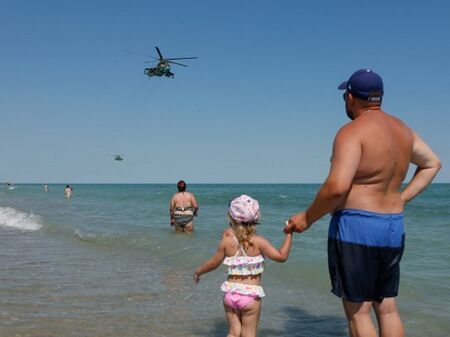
(243, 233)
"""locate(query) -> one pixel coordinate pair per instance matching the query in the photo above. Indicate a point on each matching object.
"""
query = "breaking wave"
(12, 218)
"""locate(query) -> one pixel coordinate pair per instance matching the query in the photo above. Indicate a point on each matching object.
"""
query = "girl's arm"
(212, 263)
(278, 255)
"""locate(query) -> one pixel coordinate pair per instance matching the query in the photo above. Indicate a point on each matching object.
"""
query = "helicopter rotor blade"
(182, 58)
(180, 64)
(159, 53)
(134, 53)
(154, 59)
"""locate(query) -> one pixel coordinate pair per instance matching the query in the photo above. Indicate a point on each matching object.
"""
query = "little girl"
(243, 252)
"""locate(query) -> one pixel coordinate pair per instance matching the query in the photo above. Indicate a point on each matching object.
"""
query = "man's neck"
(366, 110)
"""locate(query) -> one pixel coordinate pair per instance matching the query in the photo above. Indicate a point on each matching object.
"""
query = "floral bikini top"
(241, 264)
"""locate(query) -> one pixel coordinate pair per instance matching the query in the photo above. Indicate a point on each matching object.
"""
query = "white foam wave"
(12, 218)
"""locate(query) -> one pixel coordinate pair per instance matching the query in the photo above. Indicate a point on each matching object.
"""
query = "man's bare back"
(385, 145)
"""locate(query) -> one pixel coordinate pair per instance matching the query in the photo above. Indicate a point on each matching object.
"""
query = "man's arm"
(428, 165)
(344, 164)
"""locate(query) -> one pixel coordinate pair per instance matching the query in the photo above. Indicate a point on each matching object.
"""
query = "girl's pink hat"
(244, 210)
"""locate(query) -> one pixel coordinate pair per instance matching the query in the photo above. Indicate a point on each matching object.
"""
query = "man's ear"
(350, 99)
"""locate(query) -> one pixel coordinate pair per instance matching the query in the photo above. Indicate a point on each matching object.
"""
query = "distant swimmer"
(68, 191)
(10, 186)
(183, 207)
(46, 189)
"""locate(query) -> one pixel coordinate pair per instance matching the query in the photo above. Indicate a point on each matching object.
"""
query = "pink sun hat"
(244, 209)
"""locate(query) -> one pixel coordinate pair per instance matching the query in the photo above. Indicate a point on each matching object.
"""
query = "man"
(370, 160)
(183, 207)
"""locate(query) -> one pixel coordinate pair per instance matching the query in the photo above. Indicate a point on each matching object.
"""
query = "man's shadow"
(303, 324)
(298, 324)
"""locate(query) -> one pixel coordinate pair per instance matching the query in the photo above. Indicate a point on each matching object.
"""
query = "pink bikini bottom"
(238, 301)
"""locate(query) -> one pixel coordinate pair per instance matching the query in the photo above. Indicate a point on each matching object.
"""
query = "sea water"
(107, 263)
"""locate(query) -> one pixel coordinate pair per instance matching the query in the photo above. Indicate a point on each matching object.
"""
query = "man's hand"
(296, 223)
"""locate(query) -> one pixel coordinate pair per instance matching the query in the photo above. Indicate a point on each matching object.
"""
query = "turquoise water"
(106, 263)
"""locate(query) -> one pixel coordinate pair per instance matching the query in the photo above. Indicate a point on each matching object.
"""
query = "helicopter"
(117, 157)
(162, 68)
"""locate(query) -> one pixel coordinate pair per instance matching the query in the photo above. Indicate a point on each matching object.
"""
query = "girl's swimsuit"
(239, 295)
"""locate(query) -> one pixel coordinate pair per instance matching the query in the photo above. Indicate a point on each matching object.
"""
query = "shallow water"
(106, 263)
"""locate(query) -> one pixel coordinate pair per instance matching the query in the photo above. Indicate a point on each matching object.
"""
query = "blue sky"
(260, 105)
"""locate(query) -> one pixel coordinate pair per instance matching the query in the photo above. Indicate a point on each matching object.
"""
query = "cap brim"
(343, 85)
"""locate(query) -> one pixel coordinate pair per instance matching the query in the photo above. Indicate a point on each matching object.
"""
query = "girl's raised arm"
(212, 263)
(278, 255)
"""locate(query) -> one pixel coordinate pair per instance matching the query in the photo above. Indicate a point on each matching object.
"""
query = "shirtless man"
(370, 160)
(183, 207)
(68, 192)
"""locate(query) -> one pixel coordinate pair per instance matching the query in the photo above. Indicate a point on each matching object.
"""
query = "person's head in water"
(67, 186)
(181, 185)
(363, 90)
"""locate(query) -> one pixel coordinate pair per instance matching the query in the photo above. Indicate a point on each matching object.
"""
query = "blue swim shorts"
(364, 253)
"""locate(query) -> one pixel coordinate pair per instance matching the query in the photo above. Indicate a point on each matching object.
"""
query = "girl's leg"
(250, 318)
(234, 321)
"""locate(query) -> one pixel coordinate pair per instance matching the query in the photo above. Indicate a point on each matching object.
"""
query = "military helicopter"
(117, 157)
(162, 68)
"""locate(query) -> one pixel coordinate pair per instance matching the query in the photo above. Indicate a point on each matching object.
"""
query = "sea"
(107, 263)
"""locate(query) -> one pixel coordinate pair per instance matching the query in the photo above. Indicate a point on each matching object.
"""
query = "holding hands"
(296, 223)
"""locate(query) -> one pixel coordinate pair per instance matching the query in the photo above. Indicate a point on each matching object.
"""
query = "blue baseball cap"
(364, 84)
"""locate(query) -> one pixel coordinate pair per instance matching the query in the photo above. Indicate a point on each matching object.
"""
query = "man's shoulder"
(348, 130)
(399, 122)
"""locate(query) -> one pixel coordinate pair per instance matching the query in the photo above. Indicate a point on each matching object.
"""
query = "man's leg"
(388, 318)
(358, 317)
